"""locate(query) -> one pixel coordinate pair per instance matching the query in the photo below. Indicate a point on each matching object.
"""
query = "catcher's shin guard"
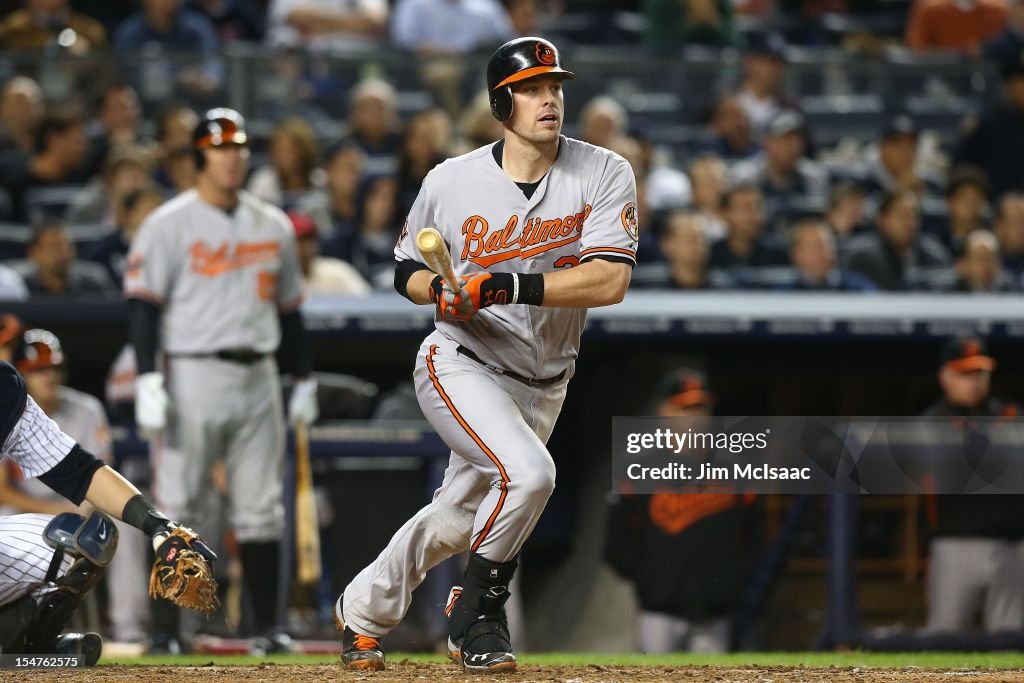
(57, 608)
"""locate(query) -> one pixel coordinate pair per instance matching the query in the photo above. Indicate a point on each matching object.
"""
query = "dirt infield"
(404, 672)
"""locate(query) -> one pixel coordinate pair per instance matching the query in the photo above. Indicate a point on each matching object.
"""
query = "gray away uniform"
(500, 473)
(221, 279)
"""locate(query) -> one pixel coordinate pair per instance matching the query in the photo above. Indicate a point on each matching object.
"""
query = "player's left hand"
(303, 406)
(476, 291)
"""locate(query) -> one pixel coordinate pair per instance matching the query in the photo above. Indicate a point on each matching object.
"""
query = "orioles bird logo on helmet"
(545, 54)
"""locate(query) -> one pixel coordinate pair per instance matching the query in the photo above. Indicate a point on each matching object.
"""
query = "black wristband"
(140, 513)
(436, 290)
(531, 289)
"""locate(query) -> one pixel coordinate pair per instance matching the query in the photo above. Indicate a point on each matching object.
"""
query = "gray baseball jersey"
(500, 473)
(221, 278)
(584, 207)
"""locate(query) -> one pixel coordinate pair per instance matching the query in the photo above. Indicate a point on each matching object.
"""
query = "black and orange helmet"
(39, 349)
(518, 60)
(217, 127)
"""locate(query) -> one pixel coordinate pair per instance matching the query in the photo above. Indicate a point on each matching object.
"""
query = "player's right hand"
(461, 304)
(151, 403)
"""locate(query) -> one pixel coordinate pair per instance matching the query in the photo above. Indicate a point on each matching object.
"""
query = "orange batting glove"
(477, 291)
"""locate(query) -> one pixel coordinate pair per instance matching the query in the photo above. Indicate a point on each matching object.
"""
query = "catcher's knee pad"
(92, 542)
(447, 527)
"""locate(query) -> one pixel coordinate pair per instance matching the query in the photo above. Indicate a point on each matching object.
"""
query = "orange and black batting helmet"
(39, 349)
(217, 127)
(518, 60)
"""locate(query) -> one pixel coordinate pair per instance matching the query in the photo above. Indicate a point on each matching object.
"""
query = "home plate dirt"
(403, 672)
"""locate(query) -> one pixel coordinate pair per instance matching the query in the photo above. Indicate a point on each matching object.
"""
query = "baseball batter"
(48, 564)
(541, 227)
(214, 272)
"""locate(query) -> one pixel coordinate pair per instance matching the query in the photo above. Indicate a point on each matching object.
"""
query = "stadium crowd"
(756, 198)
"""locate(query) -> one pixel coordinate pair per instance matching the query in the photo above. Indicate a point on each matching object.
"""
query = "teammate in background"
(541, 227)
(652, 540)
(213, 282)
(976, 557)
(43, 588)
(41, 361)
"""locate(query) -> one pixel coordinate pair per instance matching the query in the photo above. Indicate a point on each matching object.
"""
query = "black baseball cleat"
(486, 647)
(88, 646)
(358, 651)
(489, 648)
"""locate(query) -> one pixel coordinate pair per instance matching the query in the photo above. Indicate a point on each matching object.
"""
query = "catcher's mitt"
(182, 572)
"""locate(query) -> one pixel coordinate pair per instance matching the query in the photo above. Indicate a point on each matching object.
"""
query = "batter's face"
(226, 166)
(538, 109)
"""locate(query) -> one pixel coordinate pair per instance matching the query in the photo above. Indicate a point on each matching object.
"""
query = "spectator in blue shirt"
(169, 27)
(449, 27)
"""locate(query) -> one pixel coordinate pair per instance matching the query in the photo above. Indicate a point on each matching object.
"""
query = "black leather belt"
(508, 373)
(242, 356)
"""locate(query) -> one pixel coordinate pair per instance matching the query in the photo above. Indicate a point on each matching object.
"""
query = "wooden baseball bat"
(307, 526)
(436, 256)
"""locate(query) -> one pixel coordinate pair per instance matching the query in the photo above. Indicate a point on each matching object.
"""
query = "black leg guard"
(484, 593)
(15, 618)
(57, 608)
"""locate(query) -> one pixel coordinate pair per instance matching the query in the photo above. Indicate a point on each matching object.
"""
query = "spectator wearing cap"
(374, 125)
(892, 164)
(293, 169)
(731, 135)
(979, 266)
(744, 244)
(652, 541)
(781, 170)
(51, 268)
(322, 274)
(812, 253)
(995, 142)
(977, 547)
(709, 180)
(673, 24)
(1009, 229)
(425, 27)
(60, 151)
(760, 90)
(954, 25)
(966, 205)
(335, 207)
(896, 256)
(337, 26)
(133, 207)
(45, 23)
(686, 249)
(846, 214)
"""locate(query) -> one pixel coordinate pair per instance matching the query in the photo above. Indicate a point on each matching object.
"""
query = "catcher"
(48, 564)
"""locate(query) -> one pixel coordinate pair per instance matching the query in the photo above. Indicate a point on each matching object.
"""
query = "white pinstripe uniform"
(500, 473)
(37, 445)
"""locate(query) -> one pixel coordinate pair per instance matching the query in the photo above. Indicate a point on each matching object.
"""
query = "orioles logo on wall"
(545, 54)
(631, 221)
